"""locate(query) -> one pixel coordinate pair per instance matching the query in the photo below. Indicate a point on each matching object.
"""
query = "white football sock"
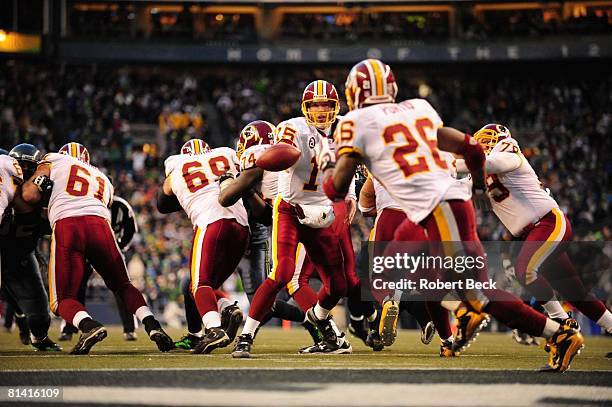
(372, 317)
(143, 312)
(335, 328)
(78, 317)
(606, 321)
(554, 309)
(250, 326)
(550, 328)
(223, 303)
(320, 312)
(211, 319)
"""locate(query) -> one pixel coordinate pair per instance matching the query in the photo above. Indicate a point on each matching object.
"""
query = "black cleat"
(65, 337)
(231, 318)
(242, 349)
(214, 338)
(163, 341)
(373, 340)
(313, 331)
(88, 340)
(46, 345)
(325, 327)
(323, 347)
(130, 336)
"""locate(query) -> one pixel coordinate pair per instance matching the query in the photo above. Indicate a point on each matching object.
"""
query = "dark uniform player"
(22, 282)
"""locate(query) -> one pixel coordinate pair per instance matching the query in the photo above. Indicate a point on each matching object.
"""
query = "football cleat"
(563, 347)
(214, 338)
(373, 341)
(469, 325)
(163, 341)
(88, 340)
(242, 349)
(523, 338)
(447, 350)
(428, 333)
(569, 322)
(324, 326)
(130, 336)
(388, 322)
(313, 331)
(231, 318)
(65, 336)
(342, 348)
(187, 342)
(46, 345)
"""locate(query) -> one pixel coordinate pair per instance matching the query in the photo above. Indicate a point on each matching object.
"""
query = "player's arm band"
(473, 153)
(167, 203)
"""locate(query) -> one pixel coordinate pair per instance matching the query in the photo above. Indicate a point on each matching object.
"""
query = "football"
(279, 157)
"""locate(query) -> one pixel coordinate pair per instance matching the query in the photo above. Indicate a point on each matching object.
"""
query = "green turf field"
(277, 348)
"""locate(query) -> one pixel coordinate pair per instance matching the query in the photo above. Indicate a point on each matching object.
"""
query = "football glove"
(43, 183)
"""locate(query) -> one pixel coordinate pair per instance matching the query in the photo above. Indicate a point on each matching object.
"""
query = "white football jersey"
(268, 186)
(398, 143)
(302, 183)
(460, 188)
(194, 182)
(79, 189)
(517, 196)
(383, 199)
(10, 177)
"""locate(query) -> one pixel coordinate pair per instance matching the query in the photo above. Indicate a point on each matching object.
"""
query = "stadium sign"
(538, 50)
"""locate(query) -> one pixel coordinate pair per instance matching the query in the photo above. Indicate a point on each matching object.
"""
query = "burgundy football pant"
(542, 264)
(455, 221)
(323, 247)
(74, 240)
(216, 252)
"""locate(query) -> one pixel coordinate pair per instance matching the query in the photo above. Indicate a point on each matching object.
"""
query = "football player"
(123, 223)
(534, 217)
(375, 201)
(303, 214)
(80, 216)
(19, 235)
(254, 182)
(399, 142)
(220, 234)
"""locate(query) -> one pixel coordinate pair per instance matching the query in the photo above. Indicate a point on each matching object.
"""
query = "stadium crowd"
(562, 125)
(180, 23)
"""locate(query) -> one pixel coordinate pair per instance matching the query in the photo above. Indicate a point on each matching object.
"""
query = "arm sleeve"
(167, 203)
(497, 163)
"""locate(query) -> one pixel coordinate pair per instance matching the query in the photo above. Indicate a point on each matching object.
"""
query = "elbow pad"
(167, 203)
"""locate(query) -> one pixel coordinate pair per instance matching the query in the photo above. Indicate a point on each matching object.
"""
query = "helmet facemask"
(490, 135)
(320, 112)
